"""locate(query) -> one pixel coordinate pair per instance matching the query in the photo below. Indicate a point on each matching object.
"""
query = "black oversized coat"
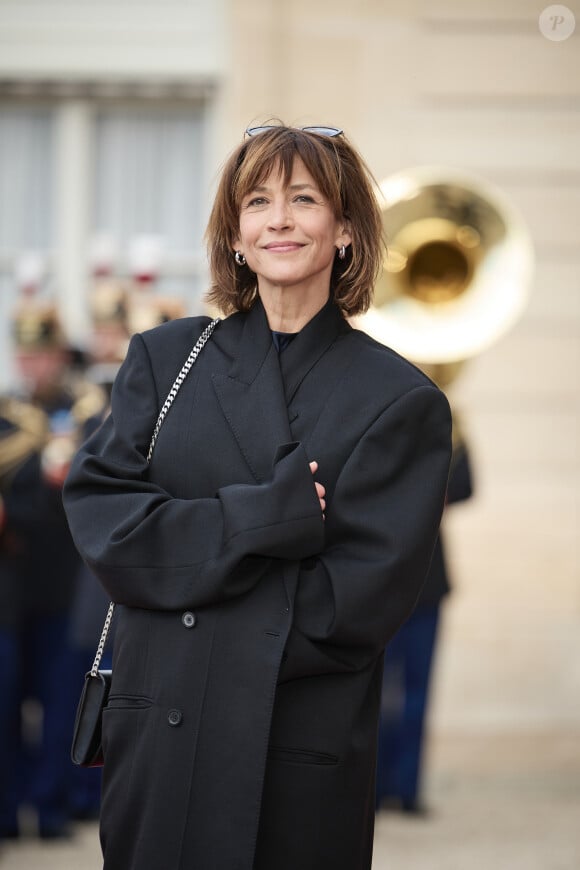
(240, 732)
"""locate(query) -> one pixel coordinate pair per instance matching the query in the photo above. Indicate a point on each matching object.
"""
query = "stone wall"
(475, 86)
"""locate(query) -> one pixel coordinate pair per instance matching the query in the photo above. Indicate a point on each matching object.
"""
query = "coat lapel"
(251, 395)
(309, 346)
(260, 385)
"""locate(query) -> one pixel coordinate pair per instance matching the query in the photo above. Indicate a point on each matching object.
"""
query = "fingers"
(320, 490)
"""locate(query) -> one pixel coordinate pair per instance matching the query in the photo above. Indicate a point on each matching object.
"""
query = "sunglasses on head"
(320, 131)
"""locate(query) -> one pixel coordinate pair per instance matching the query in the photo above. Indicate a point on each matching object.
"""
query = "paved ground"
(498, 803)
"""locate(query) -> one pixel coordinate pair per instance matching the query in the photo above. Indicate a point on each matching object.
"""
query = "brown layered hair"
(343, 179)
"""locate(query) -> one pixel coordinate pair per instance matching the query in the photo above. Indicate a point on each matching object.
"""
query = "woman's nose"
(280, 214)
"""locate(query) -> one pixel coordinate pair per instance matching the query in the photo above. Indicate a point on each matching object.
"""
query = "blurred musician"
(118, 309)
(148, 307)
(409, 660)
(108, 303)
(39, 432)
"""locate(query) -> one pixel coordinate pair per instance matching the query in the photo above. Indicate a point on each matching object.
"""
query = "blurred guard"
(117, 311)
(39, 433)
(409, 665)
(147, 307)
(109, 341)
(108, 344)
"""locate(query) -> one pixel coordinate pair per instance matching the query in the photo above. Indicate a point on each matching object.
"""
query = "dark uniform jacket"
(241, 728)
(38, 560)
(459, 488)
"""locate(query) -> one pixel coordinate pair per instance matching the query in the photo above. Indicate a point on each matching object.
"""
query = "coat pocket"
(293, 755)
(128, 702)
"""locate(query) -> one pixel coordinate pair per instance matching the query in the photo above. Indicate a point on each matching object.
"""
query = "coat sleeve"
(154, 551)
(382, 523)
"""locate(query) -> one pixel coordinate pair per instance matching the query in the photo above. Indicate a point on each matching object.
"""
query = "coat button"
(188, 619)
(174, 717)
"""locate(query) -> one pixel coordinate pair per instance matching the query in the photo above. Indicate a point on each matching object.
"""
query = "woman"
(275, 543)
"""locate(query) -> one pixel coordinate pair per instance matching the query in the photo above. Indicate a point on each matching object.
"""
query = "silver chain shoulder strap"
(185, 369)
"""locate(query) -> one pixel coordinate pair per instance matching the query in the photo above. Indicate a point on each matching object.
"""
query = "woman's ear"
(345, 237)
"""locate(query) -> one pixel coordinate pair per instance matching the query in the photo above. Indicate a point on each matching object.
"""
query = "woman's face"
(289, 234)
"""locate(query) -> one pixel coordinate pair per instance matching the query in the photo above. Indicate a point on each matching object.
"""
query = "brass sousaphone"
(458, 269)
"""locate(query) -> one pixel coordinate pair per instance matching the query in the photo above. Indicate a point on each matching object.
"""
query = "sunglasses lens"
(255, 131)
(320, 131)
(323, 131)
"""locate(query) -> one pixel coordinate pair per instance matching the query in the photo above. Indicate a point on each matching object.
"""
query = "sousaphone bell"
(458, 269)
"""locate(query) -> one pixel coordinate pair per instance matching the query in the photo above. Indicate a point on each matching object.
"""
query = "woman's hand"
(320, 490)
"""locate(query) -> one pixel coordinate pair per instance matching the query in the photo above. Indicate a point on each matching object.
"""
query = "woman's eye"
(304, 197)
(257, 200)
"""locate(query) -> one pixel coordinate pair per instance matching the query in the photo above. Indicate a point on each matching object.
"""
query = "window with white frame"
(142, 172)
(27, 205)
(148, 179)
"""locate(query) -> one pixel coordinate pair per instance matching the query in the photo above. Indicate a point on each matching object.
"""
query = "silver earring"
(239, 258)
(341, 252)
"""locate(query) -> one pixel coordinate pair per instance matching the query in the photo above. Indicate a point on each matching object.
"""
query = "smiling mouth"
(283, 247)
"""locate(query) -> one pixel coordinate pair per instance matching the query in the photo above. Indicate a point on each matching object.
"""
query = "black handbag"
(87, 749)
